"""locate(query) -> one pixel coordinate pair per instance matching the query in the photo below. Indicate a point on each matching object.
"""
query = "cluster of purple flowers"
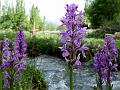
(20, 45)
(105, 60)
(13, 62)
(71, 38)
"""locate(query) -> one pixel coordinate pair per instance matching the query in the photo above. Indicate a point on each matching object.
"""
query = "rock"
(117, 34)
(86, 87)
(59, 86)
(116, 85)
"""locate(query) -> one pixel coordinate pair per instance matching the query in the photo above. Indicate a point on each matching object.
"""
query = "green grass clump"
(31, 79)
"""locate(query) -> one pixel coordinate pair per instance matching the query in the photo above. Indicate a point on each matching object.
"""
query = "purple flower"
(5, 54)
(72, 36)
(6, 50)
(19, 52)
(77, 62)
(105, 60)
(20, 67)
(20, 45)
(4, 64)
(6, 78)
(13, 59)
(110, 48)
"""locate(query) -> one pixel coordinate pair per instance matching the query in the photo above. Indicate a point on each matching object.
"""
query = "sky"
(53, 10)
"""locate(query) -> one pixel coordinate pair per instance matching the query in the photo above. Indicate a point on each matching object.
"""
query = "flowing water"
(54, 70)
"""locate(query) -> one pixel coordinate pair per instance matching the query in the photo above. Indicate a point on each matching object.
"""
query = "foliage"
(108, 28)
(50, 26)
(111, 27)
(100, 11)
(98, 33)
(61, 28)
(46, 45)
(6, 18)
(35, 18)
(32, 78)
(19, 15)
(8, 34)
(118, 58)
(13, 17)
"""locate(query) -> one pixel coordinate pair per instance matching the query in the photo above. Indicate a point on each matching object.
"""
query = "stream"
(84, 78)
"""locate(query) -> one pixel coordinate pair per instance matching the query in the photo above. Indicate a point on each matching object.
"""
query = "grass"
(47, 36)
(31, 79)
(118, 44)
(100, 41)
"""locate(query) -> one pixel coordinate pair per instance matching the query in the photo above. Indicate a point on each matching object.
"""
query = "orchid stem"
(71, 77)
(0, 79)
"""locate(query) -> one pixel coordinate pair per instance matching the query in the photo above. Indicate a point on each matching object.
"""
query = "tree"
(35, 18)
(20, 17)
(0, 7)
(13, 17)
(50, 26)
(100, 11)
(6, 17)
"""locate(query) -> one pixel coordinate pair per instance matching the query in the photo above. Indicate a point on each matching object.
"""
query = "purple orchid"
(13, 63)
(105, 60)
(6, 78)
(20, 45)
(6, 50)
(71, 38)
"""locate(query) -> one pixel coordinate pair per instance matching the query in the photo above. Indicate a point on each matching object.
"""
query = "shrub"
(37, 46)
(8, 33)
(108, 28)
